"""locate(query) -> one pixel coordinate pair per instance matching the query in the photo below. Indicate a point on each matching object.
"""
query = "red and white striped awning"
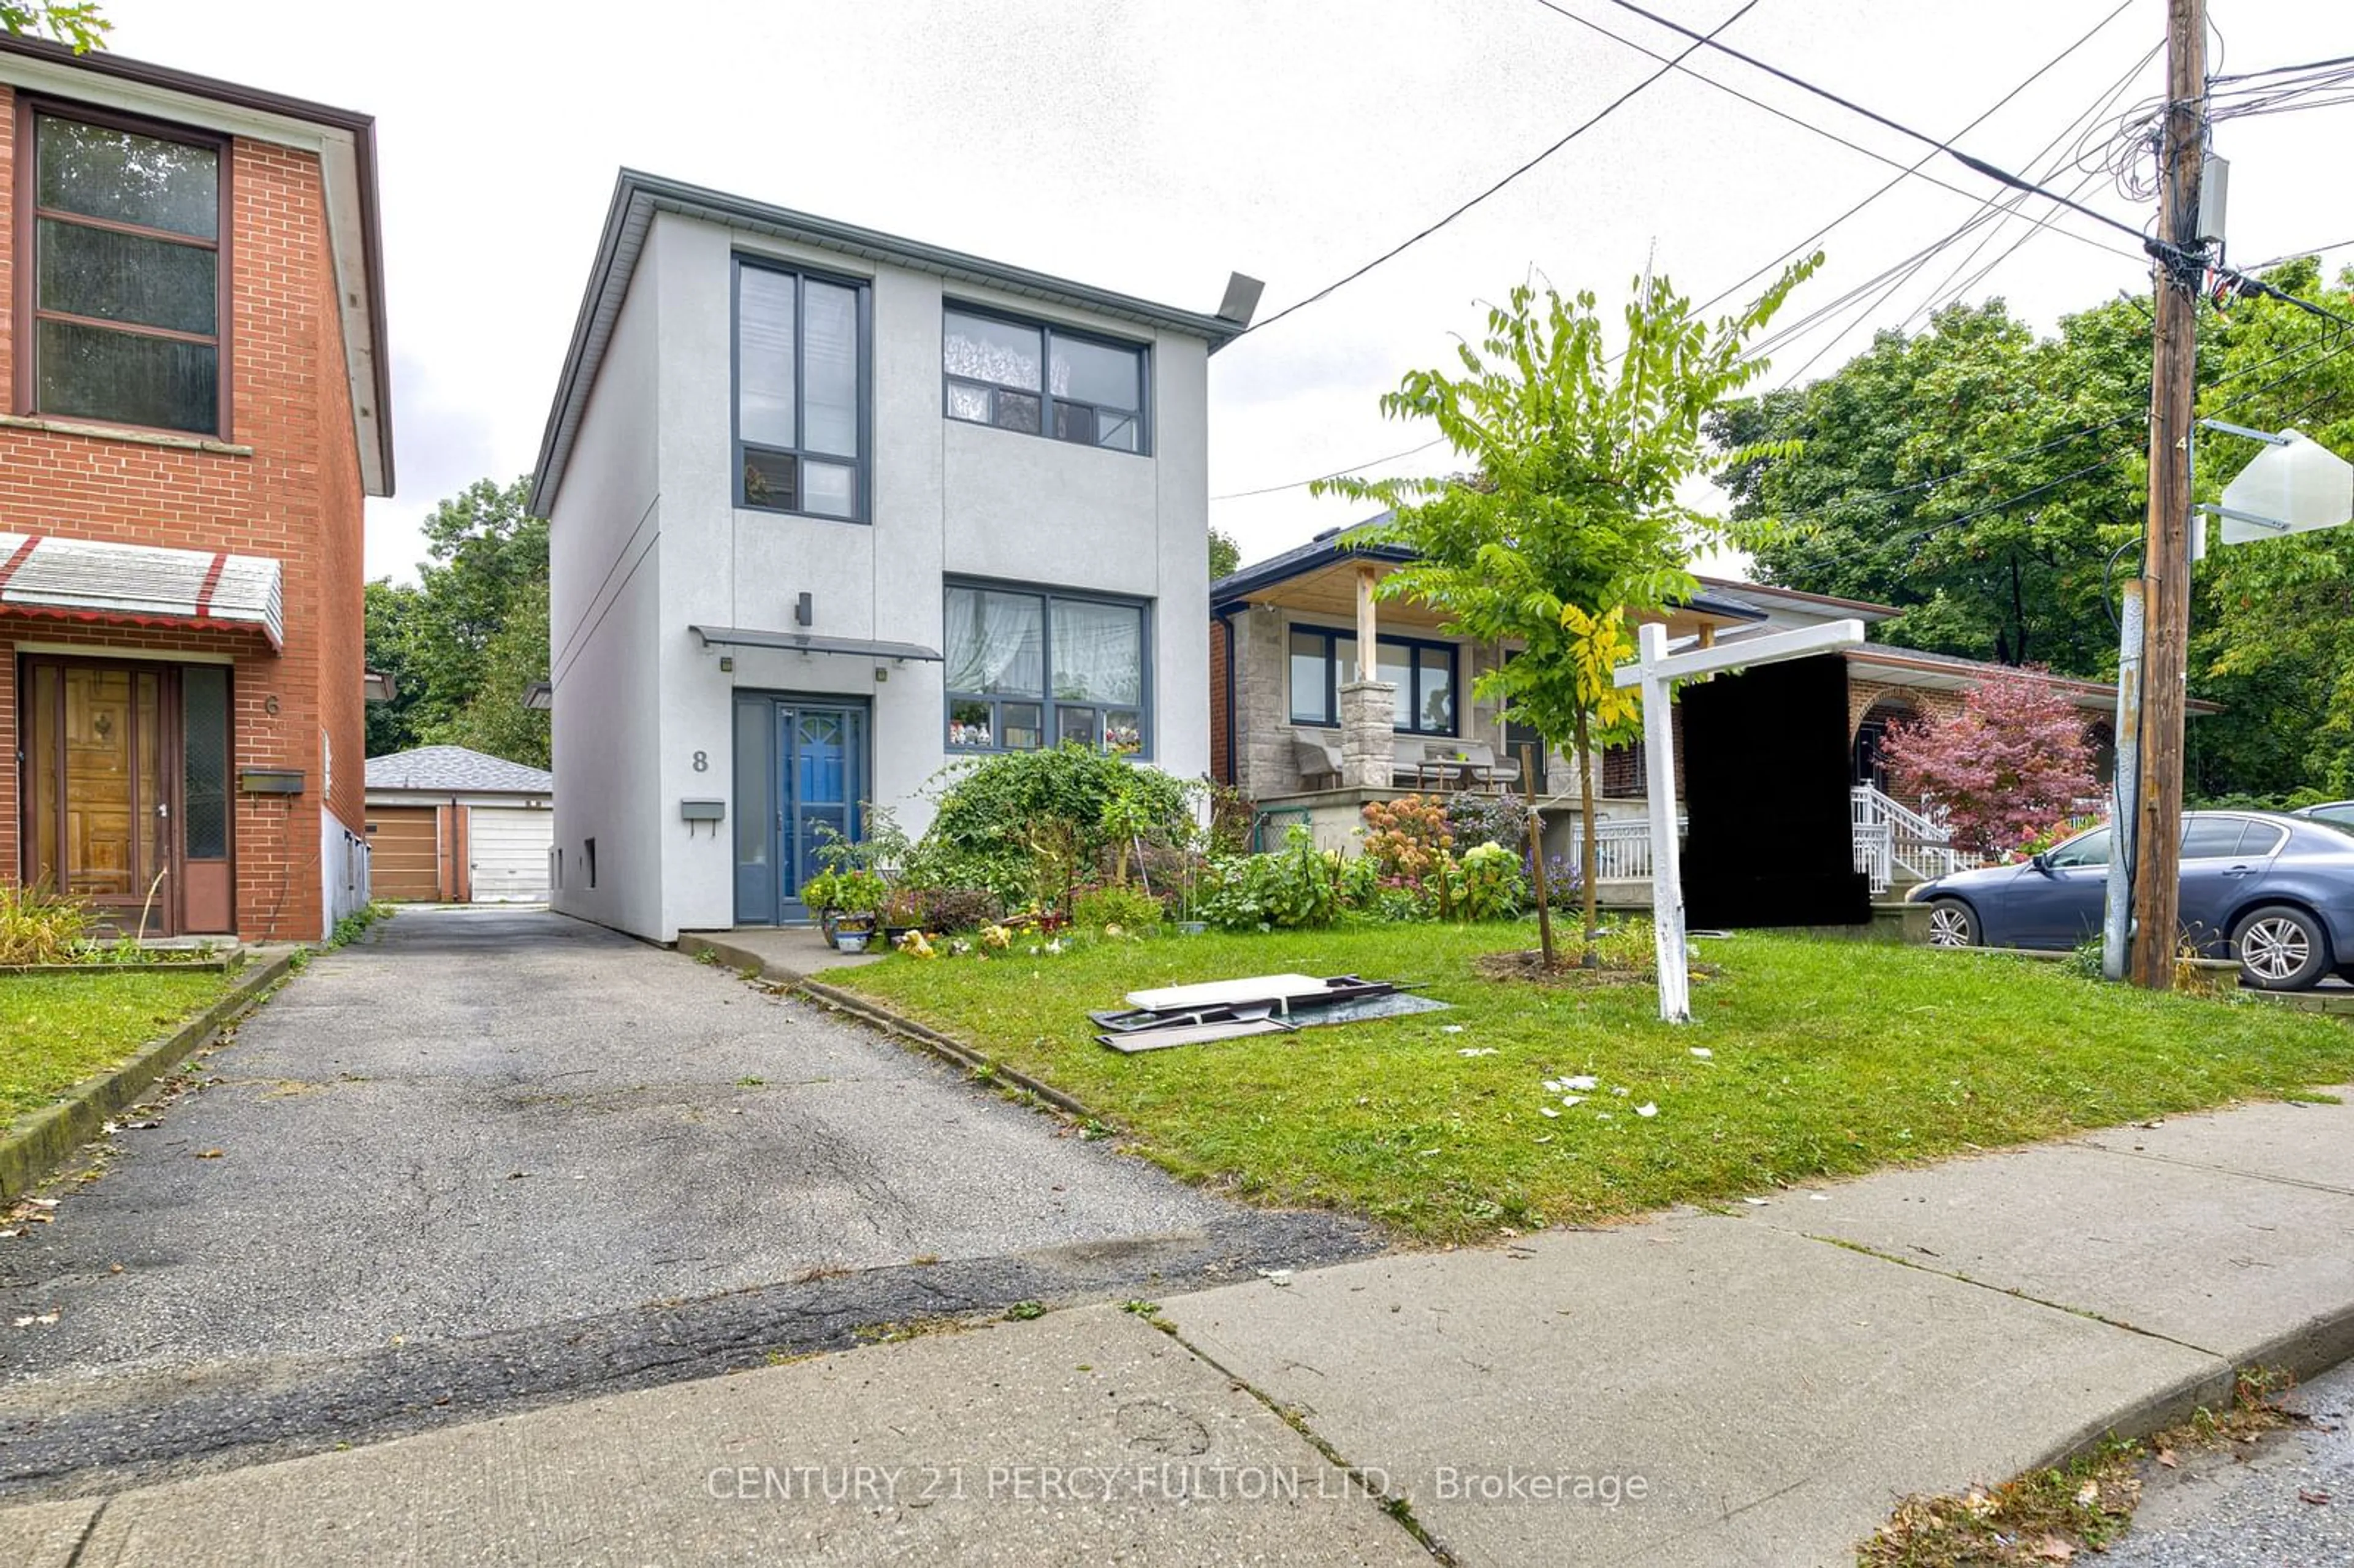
(140, 585)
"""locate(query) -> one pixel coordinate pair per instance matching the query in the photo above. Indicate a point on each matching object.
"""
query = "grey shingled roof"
(1333, 544)
(455, 769)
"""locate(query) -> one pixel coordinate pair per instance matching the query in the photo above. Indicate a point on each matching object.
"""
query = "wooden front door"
(125, 794)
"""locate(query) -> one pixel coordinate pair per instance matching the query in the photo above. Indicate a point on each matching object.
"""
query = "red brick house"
(195, 362)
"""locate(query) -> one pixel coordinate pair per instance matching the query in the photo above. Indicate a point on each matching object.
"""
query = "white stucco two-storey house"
(829, 508)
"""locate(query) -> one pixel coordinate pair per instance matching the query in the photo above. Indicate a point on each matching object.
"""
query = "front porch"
(1327, 696)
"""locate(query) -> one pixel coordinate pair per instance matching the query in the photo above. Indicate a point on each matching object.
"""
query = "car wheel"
(1951, 924)
(2280, 948)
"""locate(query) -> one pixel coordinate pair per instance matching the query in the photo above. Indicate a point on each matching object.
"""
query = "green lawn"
(1828, 1058)
(57, 1030)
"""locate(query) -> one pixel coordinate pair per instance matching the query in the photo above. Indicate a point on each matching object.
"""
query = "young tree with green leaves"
(1570, 507)
(79, 26)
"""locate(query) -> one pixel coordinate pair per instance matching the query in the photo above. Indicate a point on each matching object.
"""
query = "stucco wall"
(947, 499)
(602, 620)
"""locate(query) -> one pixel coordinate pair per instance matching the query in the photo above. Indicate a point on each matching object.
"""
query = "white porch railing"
(1892, 837)
(1622, 849)
(1892, 841)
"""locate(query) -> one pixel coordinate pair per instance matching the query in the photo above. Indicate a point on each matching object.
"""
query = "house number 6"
(703, 762)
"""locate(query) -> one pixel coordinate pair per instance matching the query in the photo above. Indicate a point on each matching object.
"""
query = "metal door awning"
(112, 584)
(1261, 1004)
(804, 643)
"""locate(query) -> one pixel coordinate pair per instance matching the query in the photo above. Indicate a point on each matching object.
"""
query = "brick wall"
(295, 496)
(1916, 702)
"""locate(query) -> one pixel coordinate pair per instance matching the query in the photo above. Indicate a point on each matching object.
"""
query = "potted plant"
(823, 895)
(857, 894)
(899, 910)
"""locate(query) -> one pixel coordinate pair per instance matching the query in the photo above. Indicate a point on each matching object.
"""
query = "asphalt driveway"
(488, 1157)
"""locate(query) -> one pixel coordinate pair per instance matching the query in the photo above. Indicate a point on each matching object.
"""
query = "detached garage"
(446, 825)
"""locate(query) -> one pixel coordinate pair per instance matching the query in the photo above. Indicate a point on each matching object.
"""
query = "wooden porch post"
(1367, 661)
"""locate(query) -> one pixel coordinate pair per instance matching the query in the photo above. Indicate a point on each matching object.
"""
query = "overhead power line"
(1976, 164)
(1904, 170)
(1902, 173)
(1575, 131)
(1992, 214)
(2138, 417)
(1336, 473)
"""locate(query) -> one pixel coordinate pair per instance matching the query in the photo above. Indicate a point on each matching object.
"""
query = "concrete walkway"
(1751, 1387)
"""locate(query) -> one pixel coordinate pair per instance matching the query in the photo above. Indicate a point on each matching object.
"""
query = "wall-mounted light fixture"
(804, 611)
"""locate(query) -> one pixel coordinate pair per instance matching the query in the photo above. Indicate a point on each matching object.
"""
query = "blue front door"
(801, 774)
(821, 750)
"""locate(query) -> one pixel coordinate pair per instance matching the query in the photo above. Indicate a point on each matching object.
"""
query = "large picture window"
(1322, 660)
(1043, 380)
(1031, 668)
(124, 314)
(801, 392)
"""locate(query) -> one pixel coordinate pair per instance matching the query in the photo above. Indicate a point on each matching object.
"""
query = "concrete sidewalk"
(1750, 1387)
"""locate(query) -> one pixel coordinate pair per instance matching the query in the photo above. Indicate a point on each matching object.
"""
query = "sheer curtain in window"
(1099, 653)
(994, 643)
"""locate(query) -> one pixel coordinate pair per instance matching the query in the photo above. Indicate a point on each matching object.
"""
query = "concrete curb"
(953, 1051)
(136, 966)
(2319, 1345)
(37, 1142)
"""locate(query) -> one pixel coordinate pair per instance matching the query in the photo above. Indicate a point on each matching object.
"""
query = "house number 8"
(703, 762)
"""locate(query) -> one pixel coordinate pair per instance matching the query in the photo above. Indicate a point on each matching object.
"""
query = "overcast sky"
(1153, 147)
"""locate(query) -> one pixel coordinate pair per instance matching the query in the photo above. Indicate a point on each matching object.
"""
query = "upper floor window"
(1028, 669)
(1043, 380)
(801, 392)
(1322, 660)
(126, 301)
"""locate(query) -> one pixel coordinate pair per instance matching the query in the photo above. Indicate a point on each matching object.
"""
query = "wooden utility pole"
(2166, 553)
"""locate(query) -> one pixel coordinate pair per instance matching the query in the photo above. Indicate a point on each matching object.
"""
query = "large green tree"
(2270, 637)
(1570, 510)
(1992, 483)
(2005, 562)
(465, 641)
(1225, 554)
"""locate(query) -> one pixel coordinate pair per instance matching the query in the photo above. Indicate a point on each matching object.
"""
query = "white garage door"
(508, 853)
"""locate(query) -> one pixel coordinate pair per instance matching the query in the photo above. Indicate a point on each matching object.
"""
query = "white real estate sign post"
(1657, 670)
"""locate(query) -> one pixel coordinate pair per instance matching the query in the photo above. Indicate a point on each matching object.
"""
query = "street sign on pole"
(1657, 670)
(2294, 485)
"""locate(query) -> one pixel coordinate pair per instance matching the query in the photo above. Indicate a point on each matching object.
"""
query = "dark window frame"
(1049, 707)
(1417, 647)
(1048, 330)
(26, 312)
(862, 513)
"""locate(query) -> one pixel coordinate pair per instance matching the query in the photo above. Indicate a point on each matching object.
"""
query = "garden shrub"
(40, 927)
(1408, 837)
(1492, 888)
(1476, 818)
(1125, 907)
(946, 909)
(1299, 885)
(1027, 824)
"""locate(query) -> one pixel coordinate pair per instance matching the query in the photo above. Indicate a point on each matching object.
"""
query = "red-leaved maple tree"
(2014, 760)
